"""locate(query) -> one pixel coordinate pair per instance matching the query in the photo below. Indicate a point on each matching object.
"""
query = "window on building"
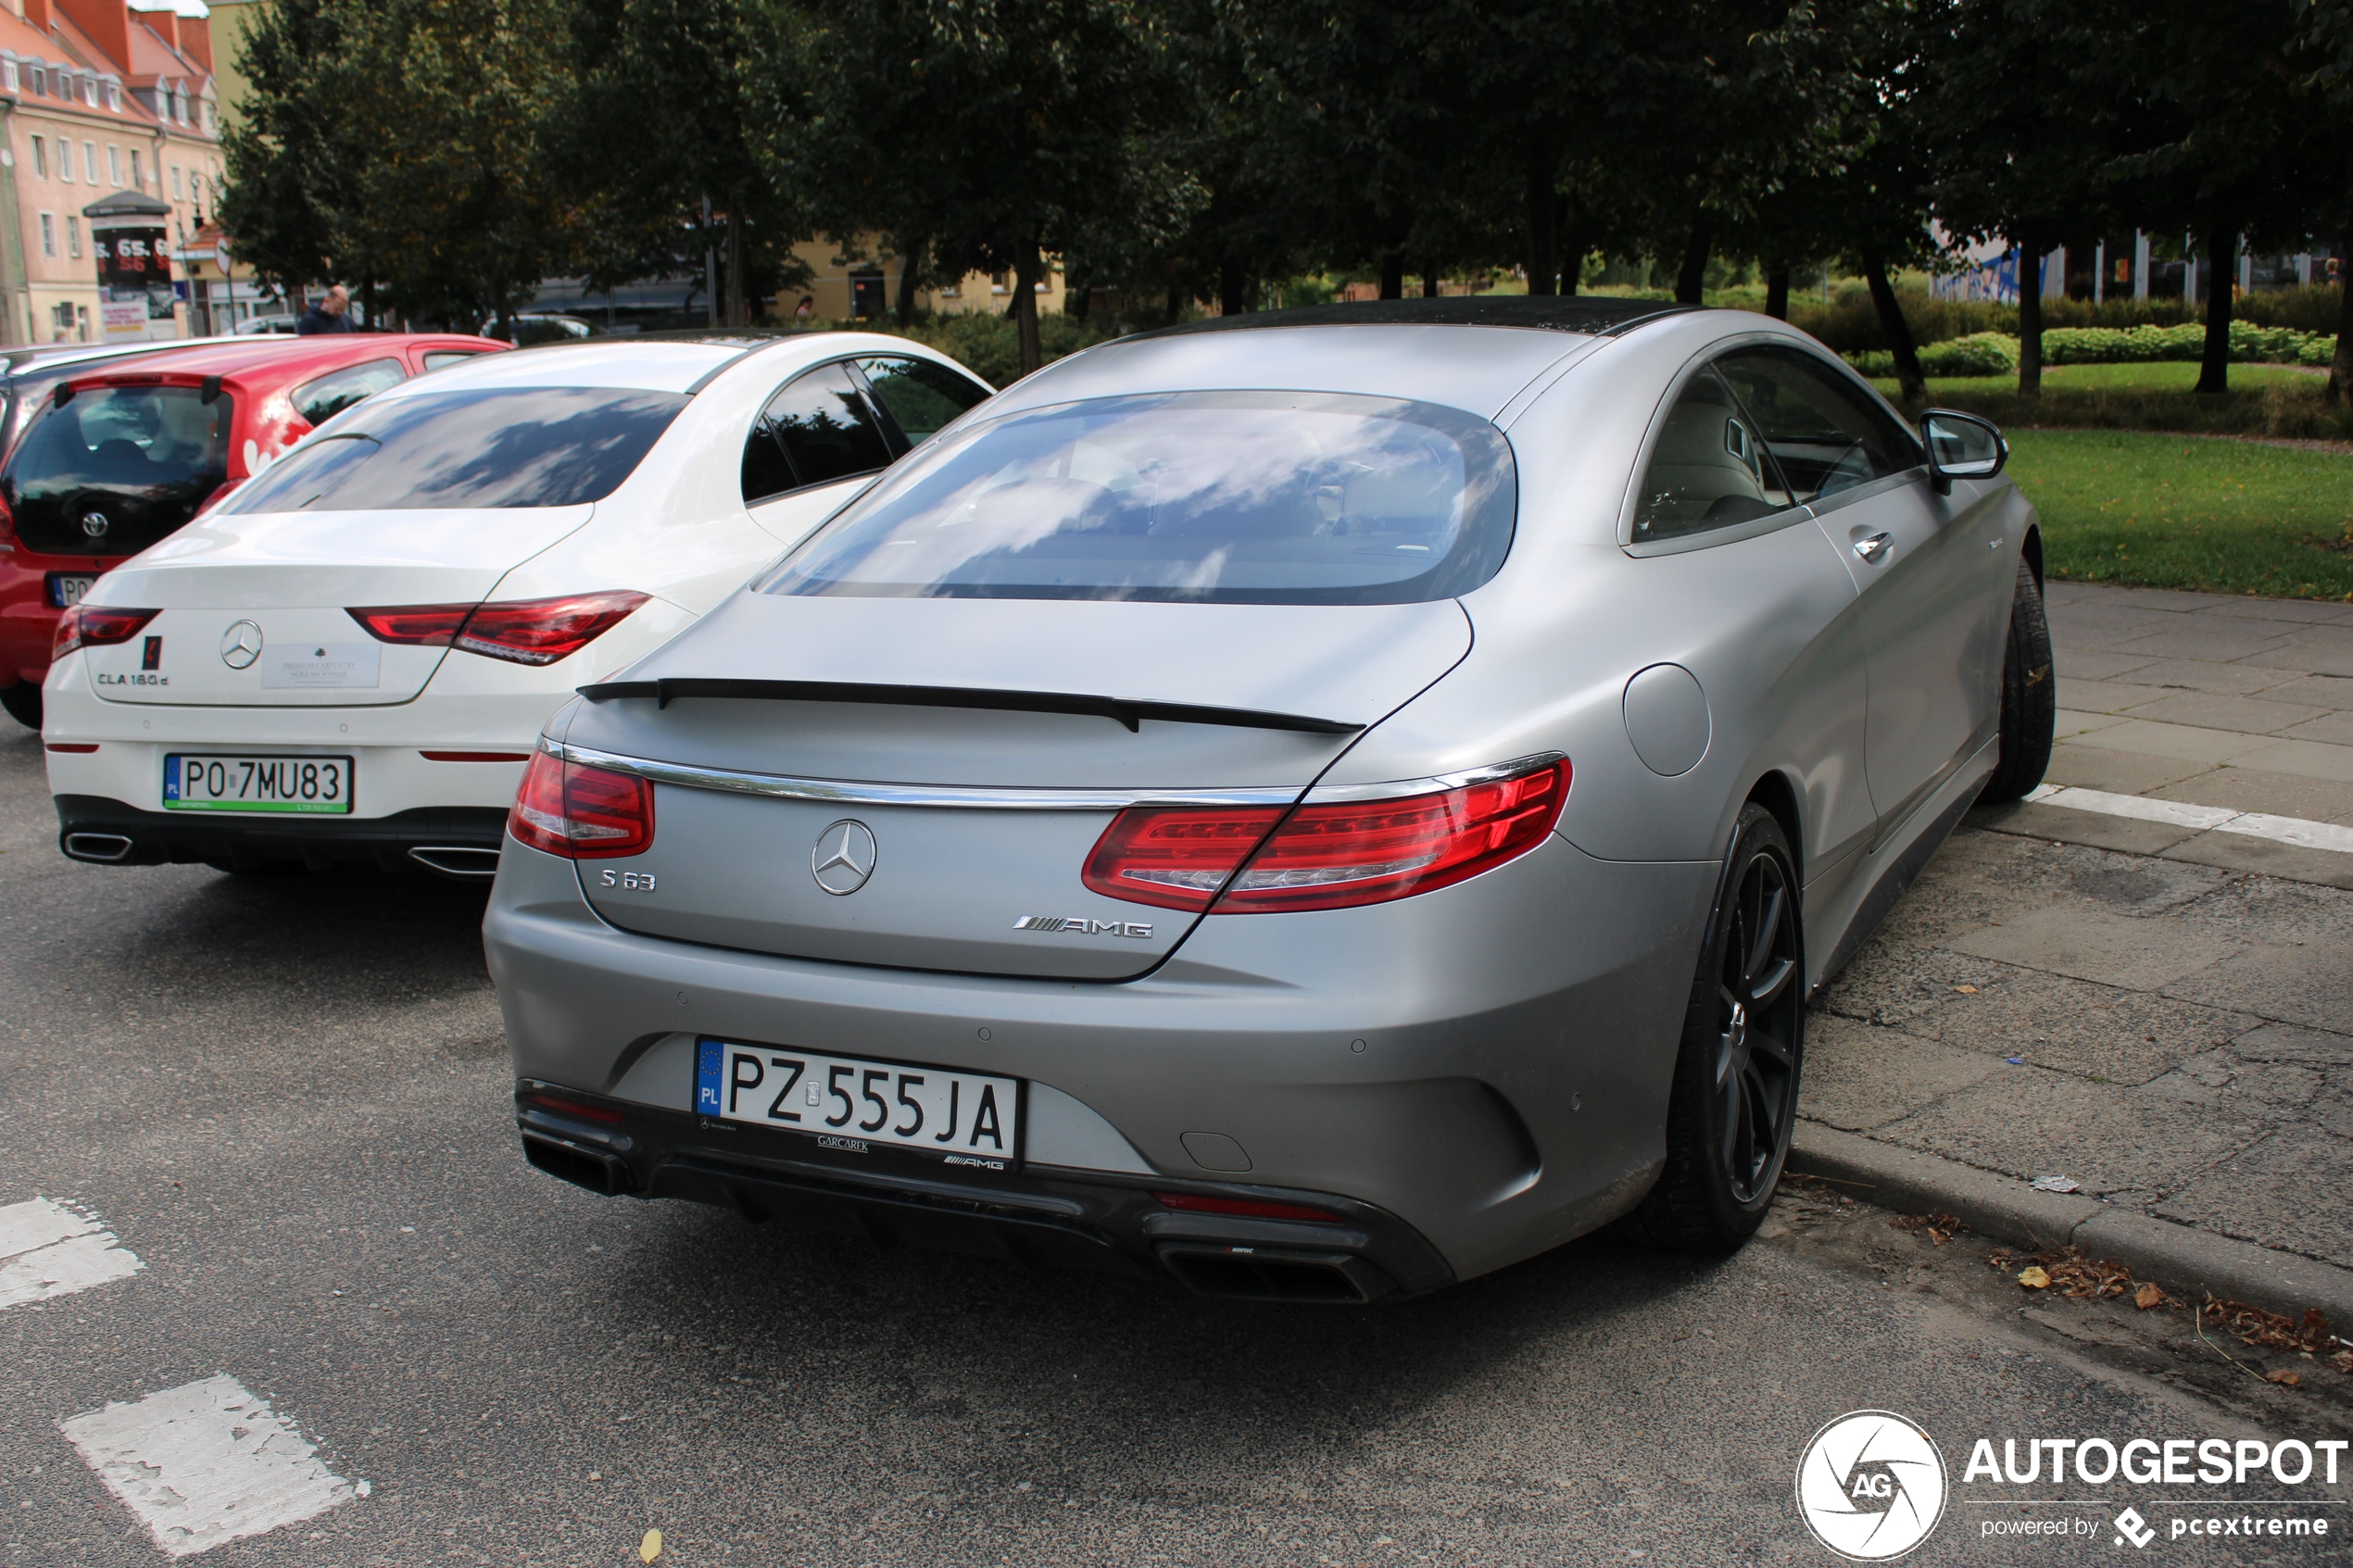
(63, 316)
(180, 104)
(48, 234)
(175, 181)
(90, 160)
(73, 235)
(90, 92)
(138, 179)
(114, 168)
(9, 77)
(41, 157)
(114, 96)
(65, 160)
(36, 81)
(208, 119)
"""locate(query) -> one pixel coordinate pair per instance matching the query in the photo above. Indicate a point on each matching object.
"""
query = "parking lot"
(287, 1097)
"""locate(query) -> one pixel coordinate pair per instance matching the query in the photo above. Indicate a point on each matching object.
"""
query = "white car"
(350, 657)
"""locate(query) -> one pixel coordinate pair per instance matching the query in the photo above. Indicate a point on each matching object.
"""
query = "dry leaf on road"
(2033, 1277)
(2284, 1379)
(650, 1548)
(2149, 1296)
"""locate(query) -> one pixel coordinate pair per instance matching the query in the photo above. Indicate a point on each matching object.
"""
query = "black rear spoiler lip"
(1128, 711)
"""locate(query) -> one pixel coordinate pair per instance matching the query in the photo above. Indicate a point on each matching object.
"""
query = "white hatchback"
(350, 657)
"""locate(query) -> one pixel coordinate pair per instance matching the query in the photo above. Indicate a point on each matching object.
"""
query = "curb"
(2007, 1210)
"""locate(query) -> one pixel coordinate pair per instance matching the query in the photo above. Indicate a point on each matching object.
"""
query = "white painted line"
(2292, 830)
(204, 1463)
(2202, 818)
(55, 1249)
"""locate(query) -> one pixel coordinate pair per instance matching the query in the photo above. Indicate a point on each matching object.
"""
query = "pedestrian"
(332, 314)
(805, 310)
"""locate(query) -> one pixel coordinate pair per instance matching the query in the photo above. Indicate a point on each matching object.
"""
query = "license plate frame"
(806, 1086)
(264, 779)
(65, 589)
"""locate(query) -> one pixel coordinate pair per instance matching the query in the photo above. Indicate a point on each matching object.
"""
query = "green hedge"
(1994, 354)
(1850, 324)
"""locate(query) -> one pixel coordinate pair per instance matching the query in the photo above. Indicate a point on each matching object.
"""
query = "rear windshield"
(142, 457)
(1225, 497)
(495, 446)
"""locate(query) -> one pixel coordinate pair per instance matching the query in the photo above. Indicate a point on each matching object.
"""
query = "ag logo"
(1870, 1485)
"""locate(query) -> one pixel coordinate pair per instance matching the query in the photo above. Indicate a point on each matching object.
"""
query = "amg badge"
(1078, 925)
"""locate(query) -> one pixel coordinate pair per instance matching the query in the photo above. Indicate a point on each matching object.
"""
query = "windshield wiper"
(1129, 711)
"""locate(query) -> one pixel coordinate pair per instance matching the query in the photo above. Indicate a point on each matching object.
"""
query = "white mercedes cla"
(350, 657)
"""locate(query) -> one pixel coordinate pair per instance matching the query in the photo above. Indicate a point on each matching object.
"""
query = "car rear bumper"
(28, 621)
(1493, 1084)
(453, 841)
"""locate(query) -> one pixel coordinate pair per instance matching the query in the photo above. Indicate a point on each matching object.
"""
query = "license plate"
(847, 1103)
(68, 588)
(298, 786)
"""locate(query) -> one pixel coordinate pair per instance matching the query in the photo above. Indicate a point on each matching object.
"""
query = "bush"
(1994, 354)
(1980, 354)
(1851, 326)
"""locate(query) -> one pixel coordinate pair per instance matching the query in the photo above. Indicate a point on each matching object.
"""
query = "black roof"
(1595, 315)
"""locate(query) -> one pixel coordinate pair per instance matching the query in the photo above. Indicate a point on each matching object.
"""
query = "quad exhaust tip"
(468, 862)
(1257, 1274)
(105, 848)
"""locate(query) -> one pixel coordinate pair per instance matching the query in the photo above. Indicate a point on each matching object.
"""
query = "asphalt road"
(287, 1096)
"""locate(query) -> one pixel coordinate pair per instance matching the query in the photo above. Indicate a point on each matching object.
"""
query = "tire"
(2030, 697)
(1733, 1105)
(23, 703)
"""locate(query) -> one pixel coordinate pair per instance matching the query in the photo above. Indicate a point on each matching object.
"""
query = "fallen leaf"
(2149, 1296)
(2342, 1361)
(2284, 1379)
(596, 1476)
(2033, 1277)
(650, 1548)
(1966, 990)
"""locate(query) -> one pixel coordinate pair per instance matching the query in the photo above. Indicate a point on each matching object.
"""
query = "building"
(109, 134)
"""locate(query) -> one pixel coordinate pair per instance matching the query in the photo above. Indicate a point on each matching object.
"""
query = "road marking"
(55, 1249)
(2202, 818)
(207, 1462)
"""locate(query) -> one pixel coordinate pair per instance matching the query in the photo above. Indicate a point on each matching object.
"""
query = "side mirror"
(1960, 446)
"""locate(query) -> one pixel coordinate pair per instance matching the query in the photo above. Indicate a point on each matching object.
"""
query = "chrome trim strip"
(1398, 789)
(859, 792)
(986, 798)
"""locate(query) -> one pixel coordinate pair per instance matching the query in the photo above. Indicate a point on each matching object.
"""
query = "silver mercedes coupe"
(1322, 804)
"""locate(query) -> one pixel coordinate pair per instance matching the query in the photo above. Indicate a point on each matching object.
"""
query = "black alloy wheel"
(1733, 1106)
(1756, 1074)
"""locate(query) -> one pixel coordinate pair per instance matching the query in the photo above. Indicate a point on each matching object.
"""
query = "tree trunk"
(739, 307)
(1911, 384)
(1541, 174)
(1176, 307)
(2222, 245)
(1429, 281)
(1573, 249)
(907, 271)
(1393, 275)
(2340, 388)
(1233, 289)
(1694, 277)
(710, 268)
(1776, 294)
(1026, 271)
(2030, 314)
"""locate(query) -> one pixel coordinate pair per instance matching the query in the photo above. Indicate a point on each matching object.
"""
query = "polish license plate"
(317, 786)
(847, 1103)
(66, 588)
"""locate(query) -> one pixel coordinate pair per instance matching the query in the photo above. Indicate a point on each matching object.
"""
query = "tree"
(1001, 129)
(290, 160)
(2325, 48)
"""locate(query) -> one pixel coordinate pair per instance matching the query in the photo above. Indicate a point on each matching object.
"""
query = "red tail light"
(524, 631)
(582, 813)
(1325, 857)
(91, 626)
(1247, 1208)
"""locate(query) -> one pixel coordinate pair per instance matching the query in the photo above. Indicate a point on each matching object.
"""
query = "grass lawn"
(2168, 512)
(2263, 401)
(2163, 376)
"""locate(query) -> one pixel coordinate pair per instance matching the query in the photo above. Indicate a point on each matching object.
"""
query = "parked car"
(27, 375)
(351, 658)
(540, 326)
(281, 325)
(118, 454)
(1323, 803)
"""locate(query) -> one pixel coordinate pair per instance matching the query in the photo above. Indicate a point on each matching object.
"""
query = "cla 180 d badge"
(844, 857)
(241, 644)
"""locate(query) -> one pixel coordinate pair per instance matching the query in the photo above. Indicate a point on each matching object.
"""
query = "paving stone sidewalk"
(2179, 1006)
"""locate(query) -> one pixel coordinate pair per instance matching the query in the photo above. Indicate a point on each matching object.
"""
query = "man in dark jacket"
(332, 314)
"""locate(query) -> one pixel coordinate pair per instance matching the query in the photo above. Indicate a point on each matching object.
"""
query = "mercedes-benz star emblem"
(844, 857)
(94, 524)
(241, 644)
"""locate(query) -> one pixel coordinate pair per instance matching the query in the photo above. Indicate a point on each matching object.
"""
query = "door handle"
(1873, 550)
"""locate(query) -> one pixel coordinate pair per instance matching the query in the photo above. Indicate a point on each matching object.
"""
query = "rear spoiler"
(1124, 710)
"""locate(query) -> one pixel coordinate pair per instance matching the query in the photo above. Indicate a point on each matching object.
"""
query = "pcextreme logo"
(1870, 1485)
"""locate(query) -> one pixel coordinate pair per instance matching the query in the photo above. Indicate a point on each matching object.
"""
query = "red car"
(120, 457)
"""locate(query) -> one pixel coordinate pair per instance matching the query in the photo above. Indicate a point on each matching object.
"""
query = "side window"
(321, 400)
(1826, 435)
(437, 357)
(818, 429)
(921, 396)
(1708, 469)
